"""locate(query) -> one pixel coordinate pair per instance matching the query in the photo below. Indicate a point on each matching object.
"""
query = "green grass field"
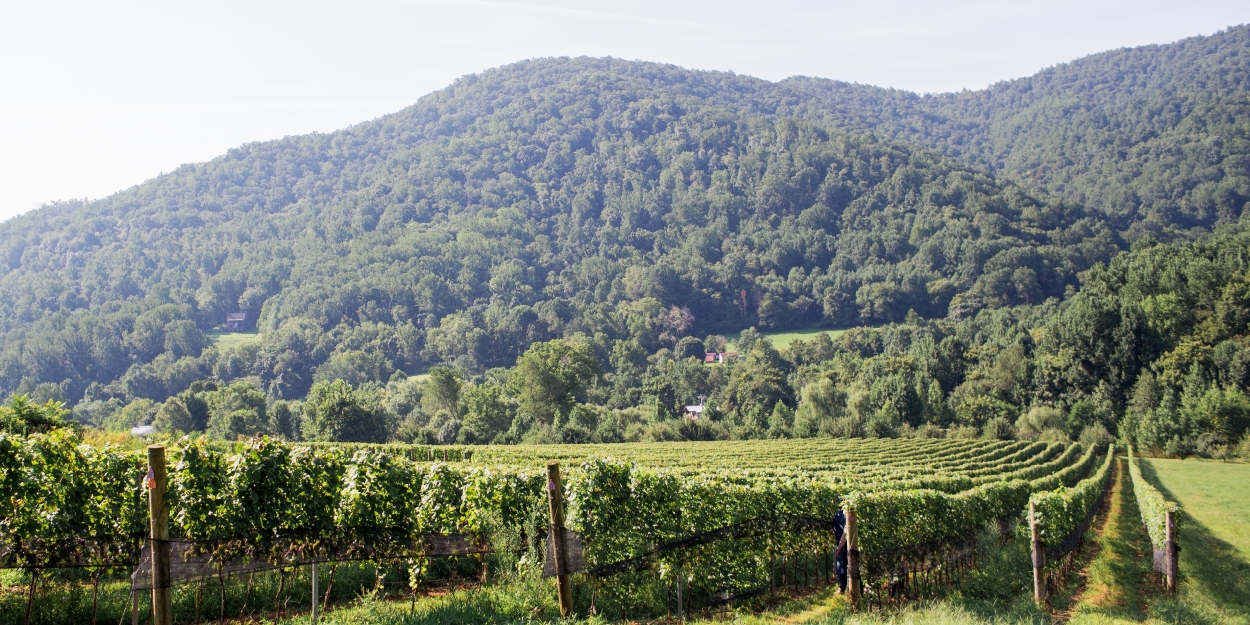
(782, 340)
(225, 340)
(1214, 534)
(1215, 494)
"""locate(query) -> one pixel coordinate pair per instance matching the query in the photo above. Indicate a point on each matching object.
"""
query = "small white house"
(142, 430)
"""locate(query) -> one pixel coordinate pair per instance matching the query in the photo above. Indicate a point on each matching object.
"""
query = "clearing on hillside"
(225, 340)
(783, 339)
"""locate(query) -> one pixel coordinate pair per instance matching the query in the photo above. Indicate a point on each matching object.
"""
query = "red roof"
(710, 357)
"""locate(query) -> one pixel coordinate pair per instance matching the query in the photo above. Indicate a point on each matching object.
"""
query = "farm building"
(234, 321)
(720, 357)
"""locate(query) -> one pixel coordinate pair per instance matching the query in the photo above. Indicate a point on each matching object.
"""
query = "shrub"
(998, 428)
(1037, 421)
(962, 431)
(1096, 435)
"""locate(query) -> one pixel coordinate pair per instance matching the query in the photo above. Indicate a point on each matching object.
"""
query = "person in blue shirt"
(839, 534)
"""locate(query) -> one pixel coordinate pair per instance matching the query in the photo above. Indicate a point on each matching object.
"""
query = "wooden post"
(158, 521)
(853, 586)
(680, 604)
(1170, 553)
(315, 595)
(1039, 559)
(555, 505)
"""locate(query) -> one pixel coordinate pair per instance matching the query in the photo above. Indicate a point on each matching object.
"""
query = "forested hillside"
(611, 214)
(530, 203)
(1155, 139)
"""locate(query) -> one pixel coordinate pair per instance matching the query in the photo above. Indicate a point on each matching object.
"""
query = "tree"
(822, 402)
(441, 391)
(977, 410)
(334, 411)
(998, 429)
(284, 420)
(747, 339)
(714, 343)
(173, 416)
(549, 376)
(781, 422)
(21, 416)
(1082, 414)
(1037, 420)
(760, 382)
(486, 414)
(355, 367)
(237, 410)
(183, 338)
(688, 347)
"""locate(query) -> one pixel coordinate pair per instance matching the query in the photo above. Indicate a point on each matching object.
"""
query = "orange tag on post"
(151, 479)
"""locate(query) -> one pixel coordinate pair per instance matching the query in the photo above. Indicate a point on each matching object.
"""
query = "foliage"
(548, 378)
(67, 503)
(22, 416)
(1059, 512)
(1154, 507)
(522, 205)
(337, 412)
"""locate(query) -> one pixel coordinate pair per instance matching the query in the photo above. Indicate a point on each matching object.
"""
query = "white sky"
(98, 96)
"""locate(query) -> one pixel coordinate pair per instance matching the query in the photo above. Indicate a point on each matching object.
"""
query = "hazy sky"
(99, 96)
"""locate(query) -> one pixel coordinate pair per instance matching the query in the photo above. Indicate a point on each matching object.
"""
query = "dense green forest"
(557, 242)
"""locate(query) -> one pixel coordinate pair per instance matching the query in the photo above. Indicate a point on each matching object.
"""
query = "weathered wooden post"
(158, 521)
(555, 504)
(1171, 550)
(1039, 558)
(680, 604)
(853, 585)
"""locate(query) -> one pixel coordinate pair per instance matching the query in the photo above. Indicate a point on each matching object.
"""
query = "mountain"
(627, 203)
(1156, 139)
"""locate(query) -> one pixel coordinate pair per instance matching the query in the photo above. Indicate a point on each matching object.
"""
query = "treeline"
(1153, 350)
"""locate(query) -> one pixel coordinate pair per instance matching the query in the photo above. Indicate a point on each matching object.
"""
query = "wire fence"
(191, 561)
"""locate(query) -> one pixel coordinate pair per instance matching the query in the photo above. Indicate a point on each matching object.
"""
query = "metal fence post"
(316, 596)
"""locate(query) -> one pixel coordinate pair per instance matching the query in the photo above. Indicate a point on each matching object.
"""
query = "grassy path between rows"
(1117, 582)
